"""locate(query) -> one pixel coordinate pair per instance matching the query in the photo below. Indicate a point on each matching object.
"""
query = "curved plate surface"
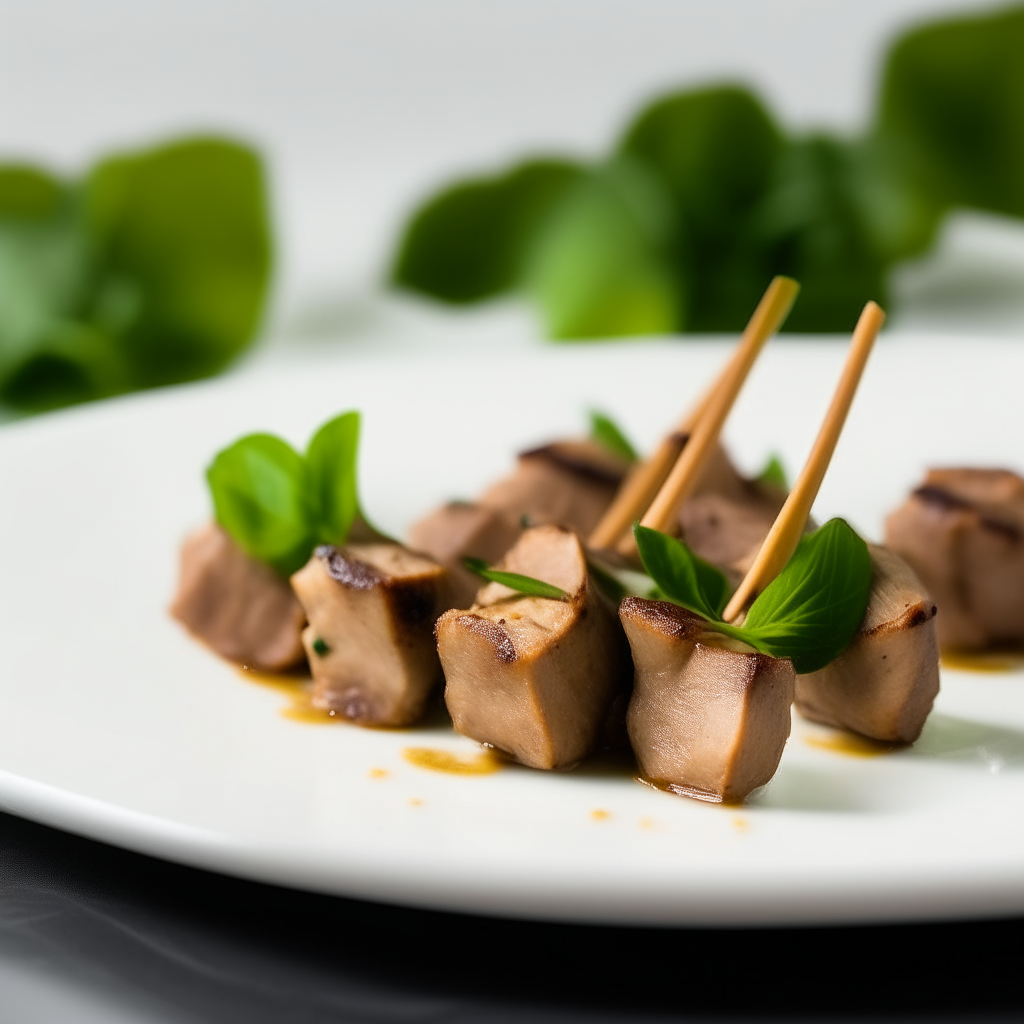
(115, 724)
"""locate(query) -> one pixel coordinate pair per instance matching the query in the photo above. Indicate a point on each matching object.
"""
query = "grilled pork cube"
(709, 716)
(237, 605)
(370, 643)
(535, 677)
(962, 532)
(567, 483)
(728, 530)
(884, 684)
(460, 529)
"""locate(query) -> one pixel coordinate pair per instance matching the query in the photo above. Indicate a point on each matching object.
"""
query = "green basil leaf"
(470, 241)
(599, 268)
(816, 230)
(515, 581)
(952, 107)
(183, 249)
(773, 472)
(617, 583)
(259, 487)
(606, 433)
(716, 149)
(331, 467)
(810, 612)
(681, 576)
(48, 355)
(150, 271)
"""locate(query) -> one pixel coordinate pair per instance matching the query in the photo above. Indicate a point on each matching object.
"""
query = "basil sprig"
(515, 581)
(809, 613)
(607, 433)
(278, 505)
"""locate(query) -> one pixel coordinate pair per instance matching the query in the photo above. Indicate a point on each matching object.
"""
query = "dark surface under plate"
(92, 933)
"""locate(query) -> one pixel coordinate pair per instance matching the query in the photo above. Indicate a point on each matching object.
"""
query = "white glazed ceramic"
(116, 725)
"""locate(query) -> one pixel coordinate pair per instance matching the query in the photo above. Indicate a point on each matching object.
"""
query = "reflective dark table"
(90, 933)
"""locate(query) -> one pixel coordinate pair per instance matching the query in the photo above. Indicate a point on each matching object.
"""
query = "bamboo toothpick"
(788, 527)
(690, 464)
(643, 484)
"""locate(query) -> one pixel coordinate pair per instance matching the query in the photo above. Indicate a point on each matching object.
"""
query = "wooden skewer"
(690, 464)
(788, 527)
(646, 480)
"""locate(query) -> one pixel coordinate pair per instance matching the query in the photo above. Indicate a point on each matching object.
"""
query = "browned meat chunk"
(238, 606)
(535, 677)
(728, 529)
(962, 532)
(709, 717)
(720, 476)
(884, 684)
(460, 529)
(370, 642)
(567, 483)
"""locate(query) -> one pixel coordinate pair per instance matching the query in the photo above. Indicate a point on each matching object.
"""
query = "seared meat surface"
(885, 683)
(460, 529)
(962, 532)
(371, 610)
(235, 604)
(728, 528)
(566, 483)
(709, 717)
(535, 677)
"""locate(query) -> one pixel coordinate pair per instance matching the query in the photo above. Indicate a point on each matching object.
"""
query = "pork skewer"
(885, 682)
(238, 606)
(962, 531)
(371, 609)
(565, 483)
(543, 680)
(709, 716)
(644, 483)
(537, 678)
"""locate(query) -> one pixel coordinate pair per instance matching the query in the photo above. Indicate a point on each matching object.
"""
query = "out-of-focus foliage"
(715, 150)
(471, 241)
(952, 107)
(600, 263)
(706, 197)
(151, 270)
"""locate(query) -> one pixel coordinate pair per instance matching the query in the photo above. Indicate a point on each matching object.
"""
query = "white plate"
(116, 725)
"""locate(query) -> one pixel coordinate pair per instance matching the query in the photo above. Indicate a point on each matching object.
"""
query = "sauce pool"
(983, 661)
(298, 690)
(853, 745)
(485, 763)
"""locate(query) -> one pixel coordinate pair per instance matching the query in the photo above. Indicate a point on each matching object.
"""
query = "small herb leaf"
(259, 486)
(617, 583)
(811, 610)
(774, 473)
(331, 466)
(680, 575)
(515, 581)
(606, 433)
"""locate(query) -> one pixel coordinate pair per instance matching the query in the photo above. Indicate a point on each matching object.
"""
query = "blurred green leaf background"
(706, 196)
(151, 269)
(154, 266)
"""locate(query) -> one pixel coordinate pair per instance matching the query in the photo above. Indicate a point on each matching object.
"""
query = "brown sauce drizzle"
(842, 742)
(298, 690)
(485, 763)
(983, 661)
